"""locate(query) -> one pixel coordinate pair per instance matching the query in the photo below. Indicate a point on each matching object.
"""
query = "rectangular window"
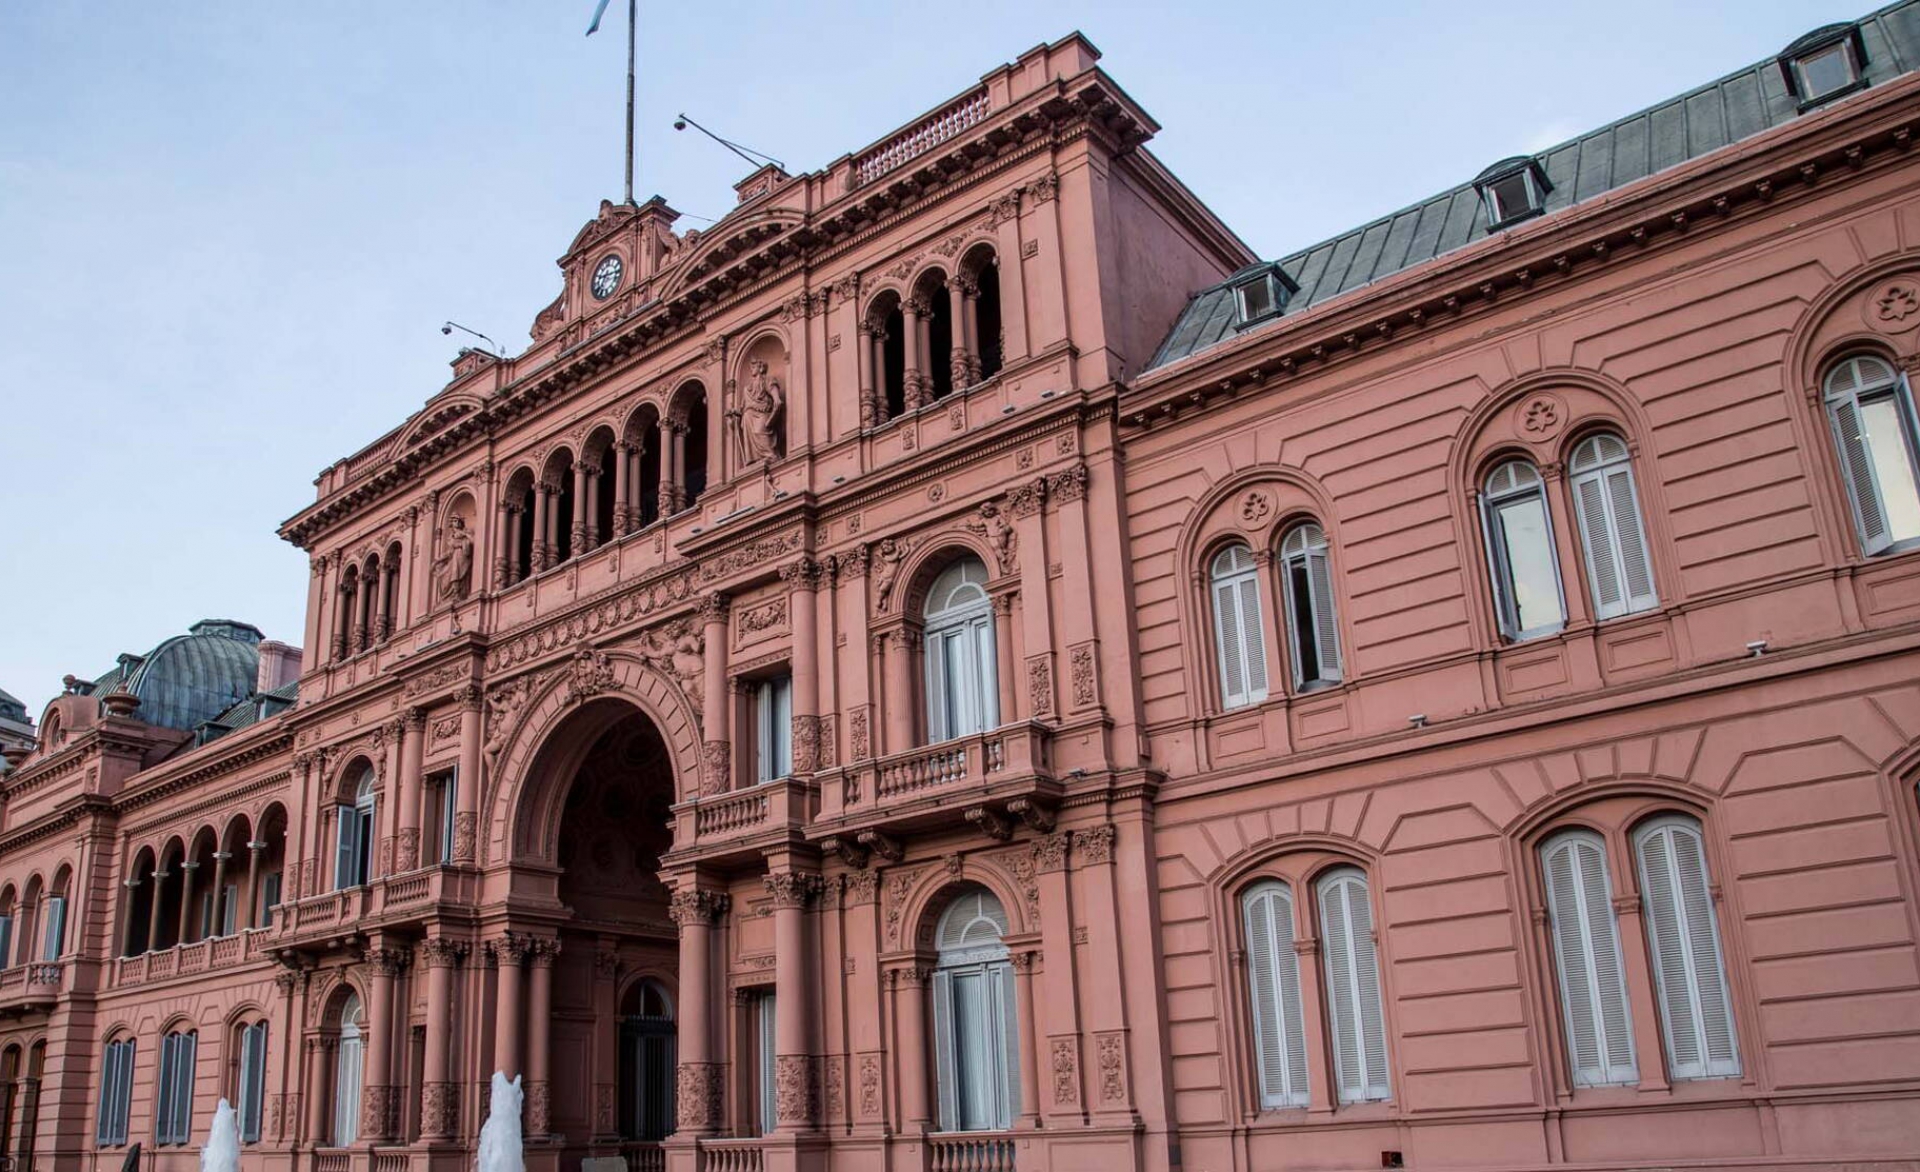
(116, 1093)
(346, 855)
(56, 938)
(449, 806)
(230, 910)
(253, 1080)
(1526, 571)
(1586, 947)
(173, 1118)
(269, 898)
(763, 1012)
(773, 728)
(6, 942)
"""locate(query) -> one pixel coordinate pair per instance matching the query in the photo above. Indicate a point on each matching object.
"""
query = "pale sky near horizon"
(230, 230)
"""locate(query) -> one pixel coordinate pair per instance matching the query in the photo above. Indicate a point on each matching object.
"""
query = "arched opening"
(975, 1019)
(980, 326)
(962, 679)
(643, 480)
(53, 929)
(372, 601)
(598, 462)
(346, 624)
(349, 1068)
(266, 875)
(599, 806)
(688, 458)
(164, 929)
(646, 1062)
(8, 910)
(564, 523)
(932, 302)
(886, 333)
(141, 890)
(518, 519)
(10, 1068)
(30, 1106)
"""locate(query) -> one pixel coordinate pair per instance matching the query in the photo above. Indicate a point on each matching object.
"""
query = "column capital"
(386, 962)
(543, 950)
(444, 952)
(803, 574)
(1094, 844)
(414, 719)
(1050, 851)
(695, 906)
(509, 948)
(714, 607)
(793, 889)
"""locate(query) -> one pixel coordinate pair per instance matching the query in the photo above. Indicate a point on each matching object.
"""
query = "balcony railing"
(389, 1162)
(969, 1153)
(197, 957)
(644, 1156)
(332, 1161)
(732, 1155)
(739, 819)
(35, 985)
(391, 898)
(949, 121)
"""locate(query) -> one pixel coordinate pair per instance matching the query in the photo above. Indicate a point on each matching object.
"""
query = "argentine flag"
(598, 12)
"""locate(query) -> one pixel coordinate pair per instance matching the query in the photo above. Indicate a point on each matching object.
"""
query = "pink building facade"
(960, 666)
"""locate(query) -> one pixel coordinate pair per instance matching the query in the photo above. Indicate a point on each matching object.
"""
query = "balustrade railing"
(969, 1153)
(409, 887)
(644, 1156)
(729, 813)
(732, 1155)
(332, 1161)
(389, 1162)
(948, 122)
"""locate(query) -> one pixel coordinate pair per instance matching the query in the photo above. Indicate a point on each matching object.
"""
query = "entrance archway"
(598, 809)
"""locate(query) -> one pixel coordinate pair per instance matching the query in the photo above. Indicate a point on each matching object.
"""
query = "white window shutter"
(1856, 468)
(183, 1101)
(1253, 638)
(1007, 1028)
(163, 1112)
(346, 852)
(769, 1038)
(1636, 566)
(986, 675)
(945, 1059)
(1232, 651)
(1696, 1014)
(1325, 627)
(939, 702)
(1597, 541)
(1593, 994)
(1274, 978)
(1353, 984)
(56, 927)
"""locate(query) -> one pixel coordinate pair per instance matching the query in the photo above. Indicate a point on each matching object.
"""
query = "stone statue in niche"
(453, 568)
(761, 404)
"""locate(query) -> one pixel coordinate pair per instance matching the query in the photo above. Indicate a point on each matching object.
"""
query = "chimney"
(279, 665)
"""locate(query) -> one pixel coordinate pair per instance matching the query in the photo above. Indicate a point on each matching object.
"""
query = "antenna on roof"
(757, 158)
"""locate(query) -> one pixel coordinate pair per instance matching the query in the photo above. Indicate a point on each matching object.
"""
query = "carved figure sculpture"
(453, 568)
(761, 403)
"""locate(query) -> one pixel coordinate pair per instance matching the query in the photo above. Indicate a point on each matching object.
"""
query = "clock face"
(606, 277)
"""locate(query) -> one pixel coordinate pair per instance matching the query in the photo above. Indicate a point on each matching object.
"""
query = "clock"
(606, 277)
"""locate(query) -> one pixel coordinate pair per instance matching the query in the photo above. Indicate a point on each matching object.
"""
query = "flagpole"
(632, 6)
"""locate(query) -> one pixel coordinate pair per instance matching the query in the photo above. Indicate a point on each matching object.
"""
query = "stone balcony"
(737, 825)
(985, 779)
(389, 901)
(216, 952)
(31, 988)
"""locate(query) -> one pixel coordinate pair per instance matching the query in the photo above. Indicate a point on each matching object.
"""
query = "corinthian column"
(378, 1107)
(508, 952)
(796, 1069)
(803, 581)
(440, 1095)
(717, 748)
(699, 1078)
(539, 1034)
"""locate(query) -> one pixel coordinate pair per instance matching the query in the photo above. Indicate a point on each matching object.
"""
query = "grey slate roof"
(189, 678)
(252, 710)
(1739, 105)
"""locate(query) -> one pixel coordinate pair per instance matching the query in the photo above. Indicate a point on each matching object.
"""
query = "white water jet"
(500, 1149)
(221, 1153)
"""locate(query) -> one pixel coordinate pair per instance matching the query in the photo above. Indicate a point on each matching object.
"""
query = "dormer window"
(1824, 64)
(1512, 190)
(1262, 293)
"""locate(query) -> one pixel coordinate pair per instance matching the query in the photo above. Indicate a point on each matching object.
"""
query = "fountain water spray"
(222, 1150)
(500, 1149)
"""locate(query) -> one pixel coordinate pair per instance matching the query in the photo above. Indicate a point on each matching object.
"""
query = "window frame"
(353, 855)
(345, 1127)
(116, 1092)
(250, 1083)
(1897, 388)
(982, 1031)
(173, 1088)
(1706, 1068)
(1343, 878)
(773, 729)
(972, 705)
(1320, 607)
(1279, 289)
(1600, 472)
(1295, 1087)
(1249, 652)
(1848, 40)
(1612, 1070)
(1534, 180)
(1499, 558)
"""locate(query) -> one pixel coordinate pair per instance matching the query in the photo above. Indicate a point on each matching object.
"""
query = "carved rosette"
(796, 1089)
(806, 744)
(465, 830)
(716, 758)
(699, 1096)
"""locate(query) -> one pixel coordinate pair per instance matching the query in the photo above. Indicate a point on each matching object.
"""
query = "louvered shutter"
(1232, 650)
(945, 1059)
(1353, 983)
(986, 676)
(1597, 540)
(1856, 467)
(1636, 567)
(183, 1098)
(111, 1083)
(163, 1110)
(1325, 628)
(56, 927)
(346, 851)
(939, 697)
(253, 1079)
(769, 1116)
(6, 941)
(1253, 637)
(1273, 974)
(1593, 994)
(1696, 1014)
(1007, 1030)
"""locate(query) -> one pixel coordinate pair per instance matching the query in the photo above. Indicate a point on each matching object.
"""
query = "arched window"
(173, 1115)
(1607, 508)
(1586, 958)
(1314, 637)
(1520, 552)
(116, 1093)
(1354, 1016)
(962, 684)
(250, 1080)
(1273, 974)
(975, 1032)
(646, 1063)
(348, 1063)
(53, 940)
(1696, 1014)
(353, 843)
(1870, 407)
(7, 911)
(1239, 628)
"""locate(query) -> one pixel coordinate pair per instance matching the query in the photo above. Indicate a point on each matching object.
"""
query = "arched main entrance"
(600, 795)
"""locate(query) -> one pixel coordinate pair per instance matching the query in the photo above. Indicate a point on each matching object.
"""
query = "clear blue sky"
(229, 230)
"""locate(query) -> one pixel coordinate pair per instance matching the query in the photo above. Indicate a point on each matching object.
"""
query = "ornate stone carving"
(603, 1115)
(796, 1088)
(990, 822)
(1040, 685)
(386, 962)
(1027, 499)
(1044, 188)
(376, 1110)
(887, 556)
(504, 705)
(1255, 507)
(862, 886)
(1110, 1052)
(465, 832)
(1094, 844)
(406, 851)
(761, 403)
(791, 889)
(1050, 852)
(1081, 678)
(806, 744)
(1895, 306)
(716, 759)
(1070, 485)
(882, 844)
(453, 566)
(1066, 1072)
(869, 1086)
(443, 952)
(859, 746)
(899, 884)
(510, 949)
(439, 1107)
(539, 1109)
(1035, 815)
(590, 674)
(698, 1088)
(993, 525)
(696, 906)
